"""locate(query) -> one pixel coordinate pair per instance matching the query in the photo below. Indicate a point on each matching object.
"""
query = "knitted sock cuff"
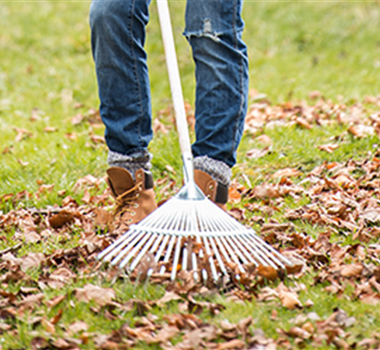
(217, 169)
(133, 162)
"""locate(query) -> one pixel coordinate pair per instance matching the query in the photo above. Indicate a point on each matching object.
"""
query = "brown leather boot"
(212, 189)
(134, 199)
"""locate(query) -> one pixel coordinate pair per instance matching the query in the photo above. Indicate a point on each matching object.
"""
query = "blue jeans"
(213, 29)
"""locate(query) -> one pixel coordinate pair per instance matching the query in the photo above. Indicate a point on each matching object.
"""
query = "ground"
(306, 181)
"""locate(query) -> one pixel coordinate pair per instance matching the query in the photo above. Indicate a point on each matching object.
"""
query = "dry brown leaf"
(22, 134)
(32, 260)
(361, 130)
(97, 139)
(371, 215)
(50, 129)
(329, 148)
(298, 332)
(289, 299)
(264, 139)
(232, 344)
(77, 327)
(22, 163)
(165, 334)
(61, 344)
(39, 343)
(62, 218)
(352, 270)
(234, 196)
(243, 326)
(77, 119)
(268, 272)
(303, 123)
(48, 326)
(256, 153)
(102, 296)
(287, 172)
(265, 191)
(168, 297)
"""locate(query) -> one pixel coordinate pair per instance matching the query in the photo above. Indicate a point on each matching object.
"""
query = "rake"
(189, 231)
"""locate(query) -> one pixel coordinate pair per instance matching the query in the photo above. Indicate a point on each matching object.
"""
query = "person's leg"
(117, 38)
(214, 31)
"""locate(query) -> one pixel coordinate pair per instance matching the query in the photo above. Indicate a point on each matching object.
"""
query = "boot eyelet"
(133, 213)
(129, 221)
(211, 187)
(138, 195)
(136, 205)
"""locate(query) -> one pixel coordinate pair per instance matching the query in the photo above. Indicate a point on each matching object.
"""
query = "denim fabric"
(213, 29)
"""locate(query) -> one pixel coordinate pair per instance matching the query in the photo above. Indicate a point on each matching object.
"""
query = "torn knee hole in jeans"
(206, 31)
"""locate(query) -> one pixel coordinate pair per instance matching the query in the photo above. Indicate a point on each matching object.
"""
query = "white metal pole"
(176, 89)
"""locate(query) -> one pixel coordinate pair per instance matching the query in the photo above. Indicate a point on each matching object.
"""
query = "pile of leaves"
(49, 260)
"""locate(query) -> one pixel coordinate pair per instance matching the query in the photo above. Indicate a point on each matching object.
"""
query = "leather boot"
(212, 189)
(134, 199)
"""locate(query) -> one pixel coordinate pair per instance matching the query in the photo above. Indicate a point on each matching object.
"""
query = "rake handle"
(176, 89)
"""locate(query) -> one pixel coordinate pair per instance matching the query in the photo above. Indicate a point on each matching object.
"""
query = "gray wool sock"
(132, 162)
(217, 169)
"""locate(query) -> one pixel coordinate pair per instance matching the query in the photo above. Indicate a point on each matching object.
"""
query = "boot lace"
(125, 201)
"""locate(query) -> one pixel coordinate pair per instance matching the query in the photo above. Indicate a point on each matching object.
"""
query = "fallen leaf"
(256, 153)
(329, 148)
(287, 172)
(62, 218)
(288, 298)
(168, 297)
(165, 334)
(352, 270)
(50, 129)
(77, 327)
(298, 332)
(264, 139)
(102, 296)
(77, 119)
(232, 344)
(268, 272)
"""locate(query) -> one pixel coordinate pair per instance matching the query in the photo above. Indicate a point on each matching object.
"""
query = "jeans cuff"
(217, 169)
(137, 160)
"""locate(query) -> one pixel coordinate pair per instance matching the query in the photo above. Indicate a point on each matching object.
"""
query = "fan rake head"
(190, 232)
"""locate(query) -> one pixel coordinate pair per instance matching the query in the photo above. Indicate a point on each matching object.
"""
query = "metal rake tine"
(232, 254)
(256, 257)
(195, 265)
(221, 242)
(220, 245)
(119, 251)
(210, 259)
(176, 258)
(237, 250)
(162, 247)
(142, 252)
(132, 248)
(184, 258)
(156, 243)
(204, 227)
(207, 247)
(168, 253)
(262, 253)
(118, 245)
(218, 257)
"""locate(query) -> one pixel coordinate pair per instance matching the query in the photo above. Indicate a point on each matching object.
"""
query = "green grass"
(294, 48)
(46, 63)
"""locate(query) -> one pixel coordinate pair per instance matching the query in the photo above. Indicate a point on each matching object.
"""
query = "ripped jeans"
(214, 31)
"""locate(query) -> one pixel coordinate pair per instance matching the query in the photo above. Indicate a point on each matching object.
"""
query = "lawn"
(306, 180)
